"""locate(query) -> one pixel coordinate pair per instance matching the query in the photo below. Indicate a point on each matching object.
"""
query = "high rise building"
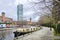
(20, 12)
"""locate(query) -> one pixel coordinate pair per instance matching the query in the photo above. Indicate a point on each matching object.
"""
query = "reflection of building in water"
(5, 19)
(6, 34)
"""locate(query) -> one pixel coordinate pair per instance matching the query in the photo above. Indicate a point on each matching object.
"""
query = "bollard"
(23, 32)
(31, 30)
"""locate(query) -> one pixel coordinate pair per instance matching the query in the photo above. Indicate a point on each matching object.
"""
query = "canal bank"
(8, 33)
(43, 34)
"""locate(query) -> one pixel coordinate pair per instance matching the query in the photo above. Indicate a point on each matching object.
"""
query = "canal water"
(6, 35)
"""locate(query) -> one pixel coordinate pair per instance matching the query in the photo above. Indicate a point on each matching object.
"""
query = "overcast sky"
(10, 8)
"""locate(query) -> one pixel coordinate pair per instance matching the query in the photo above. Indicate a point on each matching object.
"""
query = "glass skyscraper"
(20, 12)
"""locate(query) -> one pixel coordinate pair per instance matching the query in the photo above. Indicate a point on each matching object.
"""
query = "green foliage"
(48, 25)
(58, 28)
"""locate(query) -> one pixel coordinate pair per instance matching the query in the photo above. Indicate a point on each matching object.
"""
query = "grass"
(56, 34)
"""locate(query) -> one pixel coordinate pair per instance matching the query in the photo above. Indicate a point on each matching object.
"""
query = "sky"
(10, 8)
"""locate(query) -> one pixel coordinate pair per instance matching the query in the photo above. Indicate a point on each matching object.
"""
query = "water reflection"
(6, 35)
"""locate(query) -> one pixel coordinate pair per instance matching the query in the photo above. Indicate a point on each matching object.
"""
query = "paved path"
(43, 34)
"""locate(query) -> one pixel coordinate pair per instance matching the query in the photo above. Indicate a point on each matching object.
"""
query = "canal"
(6, 34)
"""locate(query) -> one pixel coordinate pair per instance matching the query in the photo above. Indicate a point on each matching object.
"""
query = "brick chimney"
(3, 16)
(30, 20)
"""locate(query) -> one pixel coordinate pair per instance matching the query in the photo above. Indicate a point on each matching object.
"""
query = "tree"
(51, 6)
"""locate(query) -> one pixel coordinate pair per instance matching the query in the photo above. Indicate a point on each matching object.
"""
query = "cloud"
(21, 2)
(36, 19)
(10, 8)
(28, 14)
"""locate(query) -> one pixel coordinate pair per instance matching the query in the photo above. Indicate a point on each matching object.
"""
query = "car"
(2, 25)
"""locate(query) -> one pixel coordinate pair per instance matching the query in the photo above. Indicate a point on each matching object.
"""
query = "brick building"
(5, 19)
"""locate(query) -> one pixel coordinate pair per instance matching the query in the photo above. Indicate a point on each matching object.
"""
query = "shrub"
(48, 25)
(58, 28)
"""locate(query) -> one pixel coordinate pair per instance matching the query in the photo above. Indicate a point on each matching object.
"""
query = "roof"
(8, 18)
